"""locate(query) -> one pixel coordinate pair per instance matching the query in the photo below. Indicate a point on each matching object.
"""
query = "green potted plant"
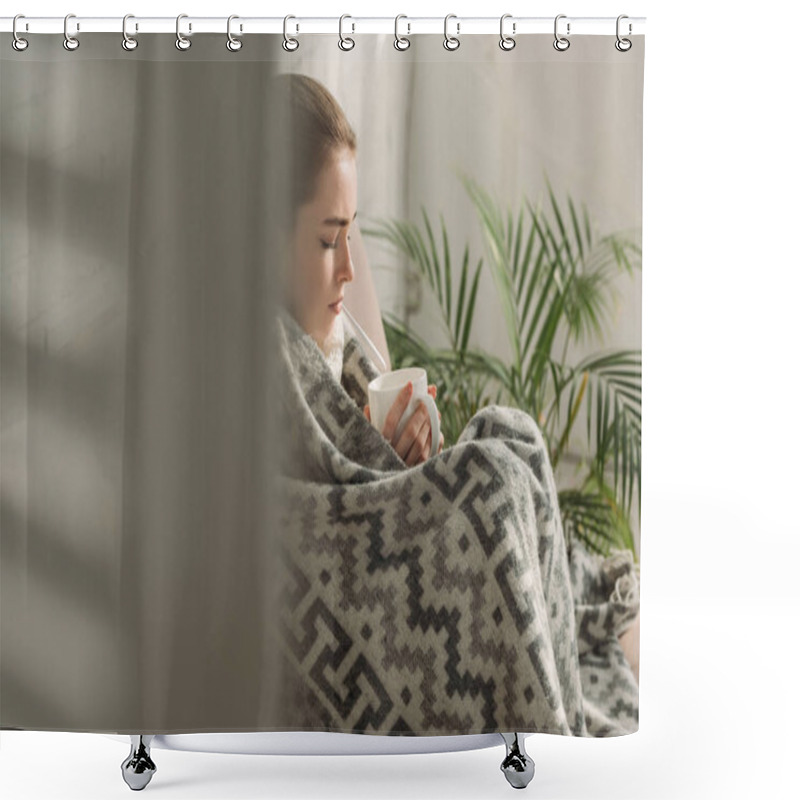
(553, 274)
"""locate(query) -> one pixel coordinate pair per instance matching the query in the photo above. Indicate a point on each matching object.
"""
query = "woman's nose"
(346, 268)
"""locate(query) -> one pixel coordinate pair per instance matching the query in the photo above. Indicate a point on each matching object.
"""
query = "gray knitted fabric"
(439, 599)
(333, 348)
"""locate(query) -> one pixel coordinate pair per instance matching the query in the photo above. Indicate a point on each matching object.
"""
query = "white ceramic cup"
(383, 391)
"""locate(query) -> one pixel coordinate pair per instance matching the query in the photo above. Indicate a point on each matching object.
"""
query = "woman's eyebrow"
(337, 220)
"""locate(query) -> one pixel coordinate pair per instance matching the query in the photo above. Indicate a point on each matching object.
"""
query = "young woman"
(472, 539)
(324, 199)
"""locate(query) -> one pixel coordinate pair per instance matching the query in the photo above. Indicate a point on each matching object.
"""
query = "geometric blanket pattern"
(439, 599)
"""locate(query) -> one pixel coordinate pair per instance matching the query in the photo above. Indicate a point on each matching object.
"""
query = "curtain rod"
(457, 26)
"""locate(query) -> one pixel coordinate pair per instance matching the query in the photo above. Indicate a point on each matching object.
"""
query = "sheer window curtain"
(137, 284)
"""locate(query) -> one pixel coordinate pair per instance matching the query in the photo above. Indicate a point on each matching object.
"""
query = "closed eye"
(332, 245)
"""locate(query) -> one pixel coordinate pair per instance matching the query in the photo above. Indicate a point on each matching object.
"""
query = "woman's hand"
(414, 443)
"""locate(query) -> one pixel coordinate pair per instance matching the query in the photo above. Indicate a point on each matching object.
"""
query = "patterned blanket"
(440, 599)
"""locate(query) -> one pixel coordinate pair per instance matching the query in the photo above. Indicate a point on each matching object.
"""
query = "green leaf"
(576, 228)
(498, 261)
(471, 306)
(461, 290)
(515, 263)
(560, 223)
(447, 279)
(549, 279)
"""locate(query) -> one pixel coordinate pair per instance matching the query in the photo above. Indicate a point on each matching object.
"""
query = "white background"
(720, 600)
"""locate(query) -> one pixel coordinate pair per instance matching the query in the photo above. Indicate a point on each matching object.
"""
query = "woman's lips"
(336, 307)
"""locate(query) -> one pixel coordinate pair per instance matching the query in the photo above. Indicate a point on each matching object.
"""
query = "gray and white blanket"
(440, 599)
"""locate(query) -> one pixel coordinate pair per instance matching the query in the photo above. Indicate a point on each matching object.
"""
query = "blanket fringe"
(620, 569)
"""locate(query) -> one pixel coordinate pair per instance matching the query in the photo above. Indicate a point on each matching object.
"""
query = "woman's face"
(320, 257)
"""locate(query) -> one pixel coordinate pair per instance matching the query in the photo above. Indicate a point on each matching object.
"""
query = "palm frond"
(615, 381)
(552, 276)
(592, 515)
(587, 516)
(492, 226)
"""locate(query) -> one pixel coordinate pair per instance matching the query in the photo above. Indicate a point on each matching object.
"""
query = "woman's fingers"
(413, 444)
(426, 447)
(411, 437)
(396, 411)
(426, 453)
(416, 452)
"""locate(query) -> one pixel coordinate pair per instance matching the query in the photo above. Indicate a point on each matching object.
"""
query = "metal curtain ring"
(507, 42)
(401, 42)
(560, 42)
(128, 42)
(451, 42)
(289, 42)
(18, 43)
(350, 43)
(623, 45)
(182, 43)
(70, 42)
(233, 44)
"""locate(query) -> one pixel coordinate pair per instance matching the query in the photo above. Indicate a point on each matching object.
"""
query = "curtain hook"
(401, 42)
(507, 42)
(233, 44)
(128, 42)
(182, 43)
(18, 43)
(350, 42)
(560, 40)
(289, 42)
(70, 42)
(451, 42)
(620, 42)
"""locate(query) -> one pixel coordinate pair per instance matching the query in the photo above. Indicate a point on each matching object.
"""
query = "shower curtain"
(146, 205)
